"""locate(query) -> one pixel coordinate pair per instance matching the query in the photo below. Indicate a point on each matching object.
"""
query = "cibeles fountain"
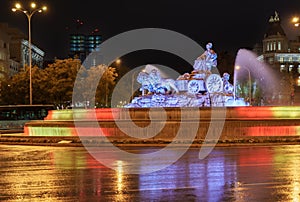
(199, 107)
(200, 88)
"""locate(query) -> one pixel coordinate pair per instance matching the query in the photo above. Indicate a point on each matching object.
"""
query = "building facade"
(283, 55)
(82, 45)
(14, 54)
(277, 50)
(37, 54)
(4, 54)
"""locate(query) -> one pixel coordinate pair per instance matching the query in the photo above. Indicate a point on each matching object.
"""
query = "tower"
(275, 40)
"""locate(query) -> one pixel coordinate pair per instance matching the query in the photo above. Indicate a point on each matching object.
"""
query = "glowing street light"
(118, 61)
(29, 13)
(249, 84)
(296, 21)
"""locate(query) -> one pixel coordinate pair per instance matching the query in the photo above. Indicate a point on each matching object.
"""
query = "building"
(36, 54)
(4, 54)
(283, 55)
(14, 54)
(82, 45)
(277, 50)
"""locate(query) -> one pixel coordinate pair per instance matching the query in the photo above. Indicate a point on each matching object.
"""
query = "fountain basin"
(239, 122)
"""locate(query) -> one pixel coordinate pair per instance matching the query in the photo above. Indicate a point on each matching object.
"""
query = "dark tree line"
(55, 84)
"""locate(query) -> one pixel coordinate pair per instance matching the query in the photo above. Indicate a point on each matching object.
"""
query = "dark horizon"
(229, 25)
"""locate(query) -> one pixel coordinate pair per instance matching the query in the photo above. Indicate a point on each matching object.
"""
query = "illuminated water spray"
(255, 72)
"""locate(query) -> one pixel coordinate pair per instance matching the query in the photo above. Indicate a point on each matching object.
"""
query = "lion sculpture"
(154, 83)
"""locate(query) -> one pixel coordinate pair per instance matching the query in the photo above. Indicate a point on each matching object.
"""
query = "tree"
(106, 83)
(55, 84)
(15, 90)
(40, 82)
(95, 85)
(285, 88)
(61, 76)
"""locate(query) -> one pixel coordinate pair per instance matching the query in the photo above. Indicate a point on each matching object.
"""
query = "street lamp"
(118, 61)
(29, 13)
(249, 81)
(296, 21)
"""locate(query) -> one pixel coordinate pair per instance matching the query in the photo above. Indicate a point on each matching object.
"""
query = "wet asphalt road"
(258, 173)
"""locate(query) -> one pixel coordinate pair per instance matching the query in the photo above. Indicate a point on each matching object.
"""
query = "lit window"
(290, 59)
(281, 59)
(279, 45)
(282, 68)
(271, 60)
(268, 46)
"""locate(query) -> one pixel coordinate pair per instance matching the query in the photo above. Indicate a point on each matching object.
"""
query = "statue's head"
(154, 74)
(209, 45)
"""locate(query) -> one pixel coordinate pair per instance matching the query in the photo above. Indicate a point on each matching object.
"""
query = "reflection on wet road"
(258, 173)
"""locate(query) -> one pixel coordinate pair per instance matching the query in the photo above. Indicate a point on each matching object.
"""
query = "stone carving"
(228, 87)
(153, 83)
(207, 60)
(275, 18)
(200, 88)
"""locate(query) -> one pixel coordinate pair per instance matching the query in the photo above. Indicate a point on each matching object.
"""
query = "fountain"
(258, 73)
(200, 88)
(203, 103)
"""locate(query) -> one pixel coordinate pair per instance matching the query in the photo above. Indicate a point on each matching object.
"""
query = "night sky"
(230, 25)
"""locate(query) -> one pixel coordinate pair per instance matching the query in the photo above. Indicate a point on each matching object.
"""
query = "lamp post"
(117, 62)
(29, 13)
(249, 82)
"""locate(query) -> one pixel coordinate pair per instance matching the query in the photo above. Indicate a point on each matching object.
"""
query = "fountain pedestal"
(239, 122)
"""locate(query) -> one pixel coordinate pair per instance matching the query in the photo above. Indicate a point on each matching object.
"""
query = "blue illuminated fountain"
(200, 88)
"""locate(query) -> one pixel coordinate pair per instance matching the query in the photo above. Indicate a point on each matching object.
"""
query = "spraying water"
(258, 73)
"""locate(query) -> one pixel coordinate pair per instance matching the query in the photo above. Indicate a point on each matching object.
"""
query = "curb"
(67, 141)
